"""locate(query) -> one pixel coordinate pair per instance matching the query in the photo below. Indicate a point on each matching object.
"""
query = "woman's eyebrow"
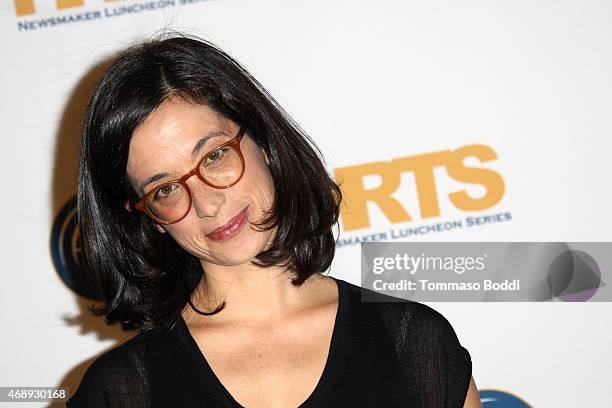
(199, 145)
(202, 142)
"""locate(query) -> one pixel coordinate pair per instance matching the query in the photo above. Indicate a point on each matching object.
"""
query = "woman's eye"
(216, 155)
(165, 191)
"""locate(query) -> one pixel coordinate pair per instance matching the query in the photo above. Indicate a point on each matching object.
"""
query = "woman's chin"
(237, 250)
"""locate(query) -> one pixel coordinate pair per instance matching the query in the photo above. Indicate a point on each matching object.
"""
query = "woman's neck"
(253, 294)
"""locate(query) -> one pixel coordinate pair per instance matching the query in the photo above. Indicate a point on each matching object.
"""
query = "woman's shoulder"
(434, 363)
(407, 321)
(406, 309)
(118, 373)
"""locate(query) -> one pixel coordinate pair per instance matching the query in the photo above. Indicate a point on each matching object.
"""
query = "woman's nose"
(205, 200)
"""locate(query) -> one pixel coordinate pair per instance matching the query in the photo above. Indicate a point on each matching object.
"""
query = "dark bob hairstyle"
(145, 277)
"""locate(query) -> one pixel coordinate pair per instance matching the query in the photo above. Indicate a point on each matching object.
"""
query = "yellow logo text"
(25, 7)
(354, 210)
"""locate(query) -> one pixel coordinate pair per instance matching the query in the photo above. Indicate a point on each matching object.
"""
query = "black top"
(382, 354)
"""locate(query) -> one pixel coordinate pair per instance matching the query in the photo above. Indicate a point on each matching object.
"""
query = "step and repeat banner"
(475, 121)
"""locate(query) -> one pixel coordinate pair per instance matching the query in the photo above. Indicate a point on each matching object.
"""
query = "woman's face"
(164, 144)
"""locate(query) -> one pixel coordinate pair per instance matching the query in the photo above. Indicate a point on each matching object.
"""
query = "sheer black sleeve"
(117, 378)
(436, 368)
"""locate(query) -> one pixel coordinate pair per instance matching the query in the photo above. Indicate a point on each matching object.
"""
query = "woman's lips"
(232, 228)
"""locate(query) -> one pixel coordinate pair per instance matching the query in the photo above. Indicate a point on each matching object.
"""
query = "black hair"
(145, 277)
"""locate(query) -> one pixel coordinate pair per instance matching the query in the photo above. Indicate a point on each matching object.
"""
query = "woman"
(207, 215)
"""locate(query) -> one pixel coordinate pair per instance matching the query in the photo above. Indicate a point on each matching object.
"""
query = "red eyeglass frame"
(140, 204)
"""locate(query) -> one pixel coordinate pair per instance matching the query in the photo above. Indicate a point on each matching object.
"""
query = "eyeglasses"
(222, 167)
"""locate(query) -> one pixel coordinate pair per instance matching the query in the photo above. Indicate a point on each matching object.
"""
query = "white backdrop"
(529, 80)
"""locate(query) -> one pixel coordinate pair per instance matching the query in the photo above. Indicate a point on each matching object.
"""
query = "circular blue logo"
(500, 399)
(67, 255)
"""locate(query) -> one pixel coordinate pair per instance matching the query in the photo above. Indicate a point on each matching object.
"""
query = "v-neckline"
(331, 364)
